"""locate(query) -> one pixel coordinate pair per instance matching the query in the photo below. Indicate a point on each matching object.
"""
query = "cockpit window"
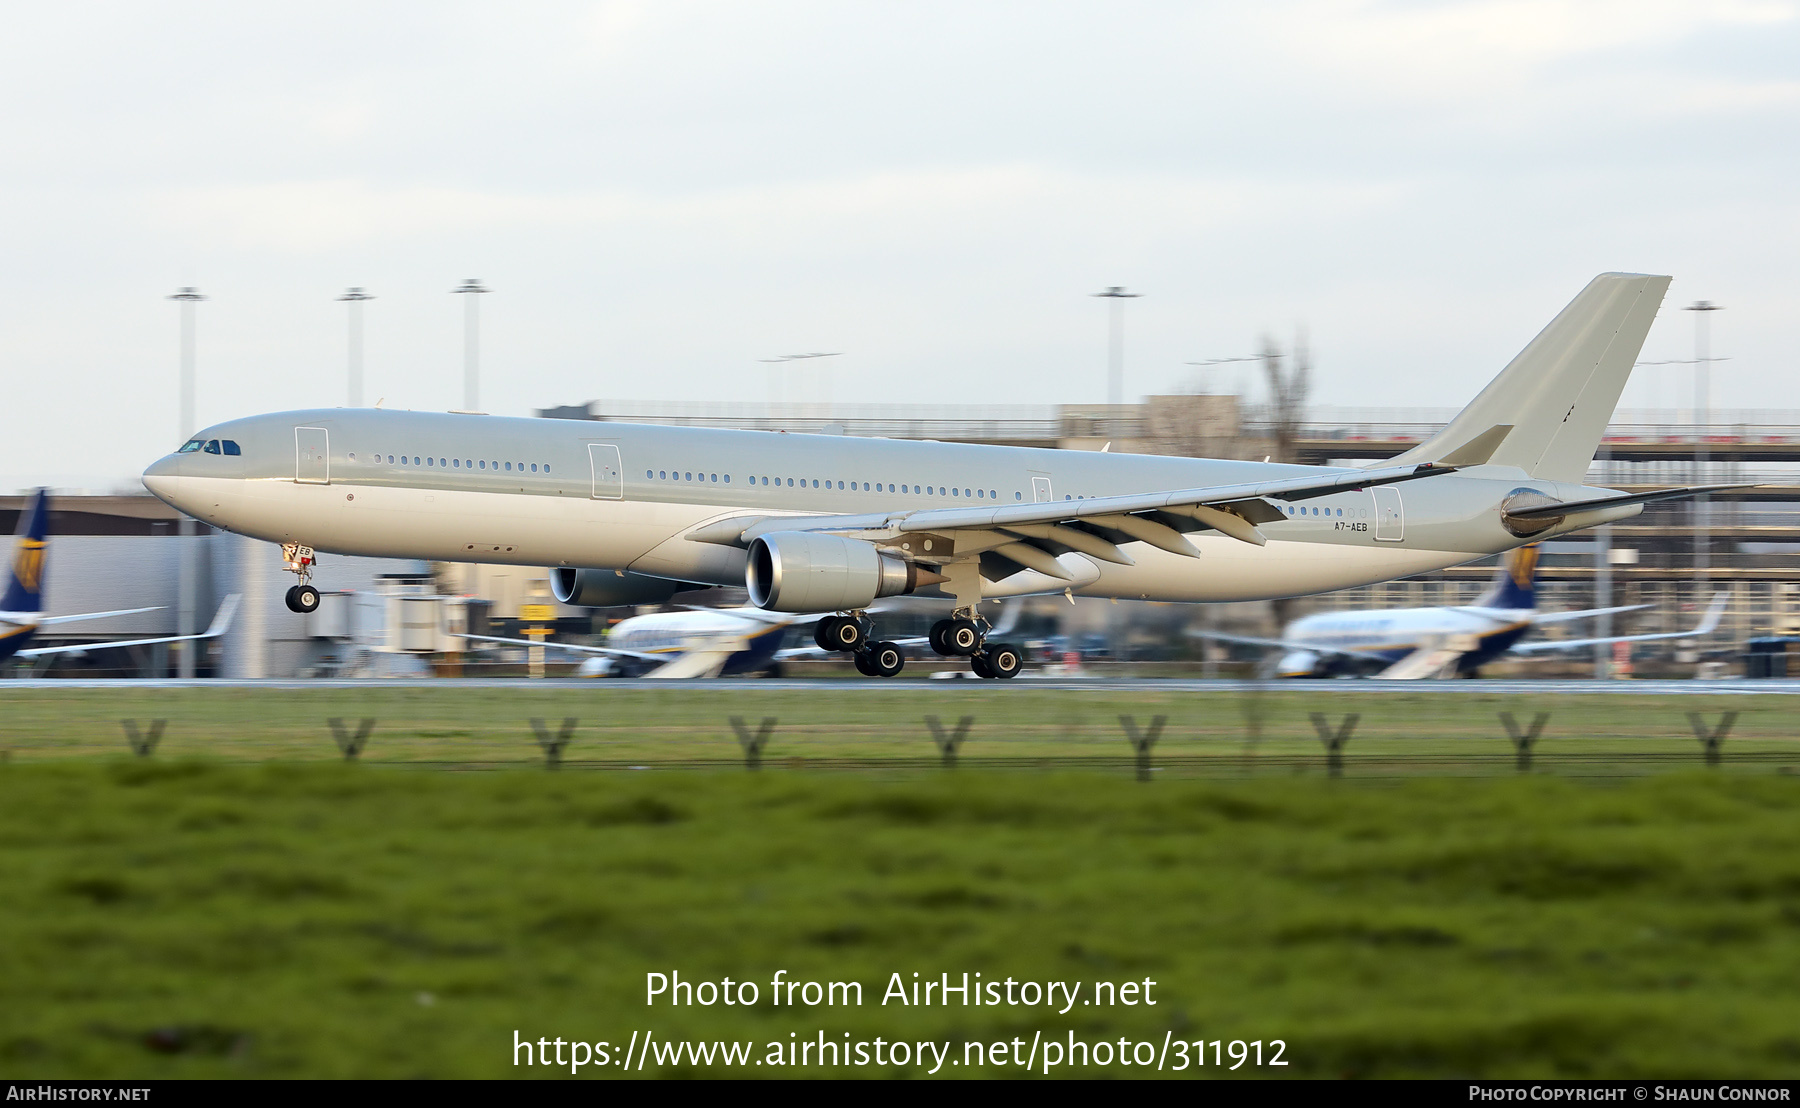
(191, 445)
(231, 448)
(212, 446)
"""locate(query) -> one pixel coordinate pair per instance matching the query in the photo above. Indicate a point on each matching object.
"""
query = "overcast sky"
(661, 194)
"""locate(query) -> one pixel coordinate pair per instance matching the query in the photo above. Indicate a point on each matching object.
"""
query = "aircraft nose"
(160, 477)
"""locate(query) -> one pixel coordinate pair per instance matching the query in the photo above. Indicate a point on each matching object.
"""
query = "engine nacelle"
(1298, 663)
(607, 588)
(798, 571)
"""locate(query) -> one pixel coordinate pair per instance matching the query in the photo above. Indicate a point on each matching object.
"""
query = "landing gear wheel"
(936, 637)
(823, 630)
(303, 599)
(863, 666)
(884, 659)
(847, 634)
(963, 637)
(1003, 661)
(979, 663)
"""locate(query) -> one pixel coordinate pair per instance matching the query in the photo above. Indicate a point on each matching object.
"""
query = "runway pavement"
(1023, 686)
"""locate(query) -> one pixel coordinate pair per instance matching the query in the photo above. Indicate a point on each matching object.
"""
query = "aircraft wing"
(794, 652)
(1713, 612)
(1564, 617)
(704, 661)
(1426, 661)
(610, 651)
(1032, 535)
(49, 620)
(1287, 644)
(220, 624)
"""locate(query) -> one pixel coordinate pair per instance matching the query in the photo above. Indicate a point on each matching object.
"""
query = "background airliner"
(1455, 641)
(21, 608)
(626, 514)
(711, 642)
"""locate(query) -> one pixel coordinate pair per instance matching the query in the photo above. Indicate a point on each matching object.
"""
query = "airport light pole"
(1702, 309)
(777, 365)
(187, 661)
(1115, 352)
(354, 297)
(471, 343)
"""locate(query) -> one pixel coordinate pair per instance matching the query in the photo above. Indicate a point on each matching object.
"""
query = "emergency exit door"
(609, 478)
(1390, 514)
(312, 456)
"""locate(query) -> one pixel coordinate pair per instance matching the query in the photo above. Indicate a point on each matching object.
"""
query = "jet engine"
(606, 588)
(1298, 663)
(797, 571)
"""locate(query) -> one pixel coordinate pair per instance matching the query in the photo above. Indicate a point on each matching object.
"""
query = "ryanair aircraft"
(21, 608)
(1409, 643)
(628, 514)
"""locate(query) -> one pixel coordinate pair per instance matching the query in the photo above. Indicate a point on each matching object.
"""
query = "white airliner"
(23, 598)
(1410, 643)
(630, 514)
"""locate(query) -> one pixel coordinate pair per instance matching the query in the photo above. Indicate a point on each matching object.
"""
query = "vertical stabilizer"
(1515, 582)
(25, 581)
(1559, 393)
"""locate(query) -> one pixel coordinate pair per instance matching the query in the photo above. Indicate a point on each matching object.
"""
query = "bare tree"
(1287, 411)
(1287, 391)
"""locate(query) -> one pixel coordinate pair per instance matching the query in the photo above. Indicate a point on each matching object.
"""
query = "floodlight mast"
(1702, 447)
(1115, 369)
(471, 343)
(778, 364)
(187, 661)
(354, 297)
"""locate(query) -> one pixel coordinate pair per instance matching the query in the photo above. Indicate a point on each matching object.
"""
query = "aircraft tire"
(1003, 661)
(979, 664)
(303, 599)
(847, 634)
(822, 633)
(963, 637)
(885, 659)
(936, 637)
(863, 663)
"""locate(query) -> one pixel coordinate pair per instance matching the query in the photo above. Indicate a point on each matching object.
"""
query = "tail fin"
(1515, 582)
(25, 584)
(1547, 410)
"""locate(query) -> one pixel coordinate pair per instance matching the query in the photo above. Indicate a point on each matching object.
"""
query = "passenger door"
(1390, 514)
(1040, 490)
(609, 477)
(312, 456)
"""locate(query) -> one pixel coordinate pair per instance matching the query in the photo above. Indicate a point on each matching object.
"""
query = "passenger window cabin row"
(479, 464)
(695, 477)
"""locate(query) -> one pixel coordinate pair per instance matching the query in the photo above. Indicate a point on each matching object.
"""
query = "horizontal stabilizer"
(1545, 511)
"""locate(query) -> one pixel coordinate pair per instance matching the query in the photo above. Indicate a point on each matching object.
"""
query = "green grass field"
(242, 903)
(687, 724)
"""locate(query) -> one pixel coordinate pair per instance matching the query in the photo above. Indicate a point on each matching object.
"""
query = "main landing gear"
(851, 635)
(965, 637)
(302, 598)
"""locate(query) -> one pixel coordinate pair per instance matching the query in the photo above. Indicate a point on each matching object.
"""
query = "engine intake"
(798, 571)
(607, 588)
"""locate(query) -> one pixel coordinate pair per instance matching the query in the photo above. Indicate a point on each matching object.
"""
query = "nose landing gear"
(298, 559)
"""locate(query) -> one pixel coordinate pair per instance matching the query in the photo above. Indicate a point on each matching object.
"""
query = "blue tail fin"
(25, 584)
(1515, 582)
